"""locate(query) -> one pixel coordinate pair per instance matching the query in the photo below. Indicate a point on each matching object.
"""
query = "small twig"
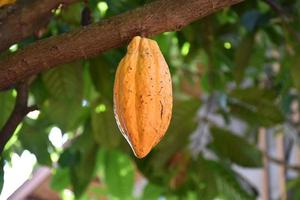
(276, 7)
(20, 110)
(282, 162)
(284, 16)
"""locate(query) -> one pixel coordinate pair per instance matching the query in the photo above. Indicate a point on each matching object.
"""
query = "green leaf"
(39, 91)
(67, 115)
(69, 157)
(65, 87)
(242, 56)
(172, 197)
(89, 91)
(255, 106)
(105, 130)
(80, 157)
(7, 102)
(152, 192)
(165, 41)
(235, 148)
(295, 70)
(65, 82)
(33, 136)
(60, 179)
(191, 196)
(215, 80)
(119, 174)
(81, 173)
(102, 74)
(72, 13)
(254, 93)
(293, 188)
(213, 179)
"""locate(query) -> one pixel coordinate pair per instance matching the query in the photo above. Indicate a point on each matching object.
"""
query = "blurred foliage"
(235, 148)
(245, 58)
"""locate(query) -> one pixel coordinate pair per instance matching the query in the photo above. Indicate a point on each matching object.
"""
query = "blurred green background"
(240, 64)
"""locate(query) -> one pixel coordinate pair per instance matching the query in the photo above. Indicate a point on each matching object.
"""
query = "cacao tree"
(235, 72)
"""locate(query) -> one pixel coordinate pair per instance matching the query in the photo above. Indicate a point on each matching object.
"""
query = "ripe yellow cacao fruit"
(143, 95)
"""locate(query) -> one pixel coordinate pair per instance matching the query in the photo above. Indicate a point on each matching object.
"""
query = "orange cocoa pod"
(143, 95)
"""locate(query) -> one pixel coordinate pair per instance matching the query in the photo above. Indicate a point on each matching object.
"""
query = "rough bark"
(21, 109)
(151, 19)
(23, 19)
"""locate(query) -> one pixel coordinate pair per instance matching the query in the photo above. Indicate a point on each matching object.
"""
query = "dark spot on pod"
(161, 109)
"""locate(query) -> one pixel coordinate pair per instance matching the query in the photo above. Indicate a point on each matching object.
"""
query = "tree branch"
(277, 8)
(23, 19)
(282, 162)
(20, 110)
(285, 18)
(151, 19)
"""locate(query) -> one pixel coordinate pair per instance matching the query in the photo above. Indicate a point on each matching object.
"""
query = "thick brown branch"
(153, 18)
(21, 109)
(23, 19)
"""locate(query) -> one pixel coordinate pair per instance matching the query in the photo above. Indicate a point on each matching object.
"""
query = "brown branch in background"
(282, 162)
(23, 19)
(282, 168)
(20, 110)
(263, 144)
(153, 18)
(277, 8)
(285, 17)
